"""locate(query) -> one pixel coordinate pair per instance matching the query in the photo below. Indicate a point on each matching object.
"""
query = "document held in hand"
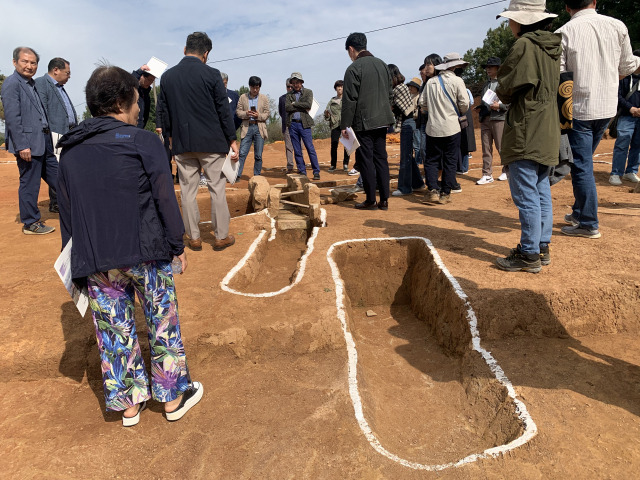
(63, 267)
(489, 97)
(351, 144)
(315, 106)
(230, 168)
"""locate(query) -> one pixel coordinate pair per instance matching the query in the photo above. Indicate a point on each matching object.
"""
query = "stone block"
(259, 190)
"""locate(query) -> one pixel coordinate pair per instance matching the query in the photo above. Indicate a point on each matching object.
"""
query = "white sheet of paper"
(230, 168)
(351, 143)
(56, 151)
(156, 66)
(490, 96)
(63, 267)
(315, 106)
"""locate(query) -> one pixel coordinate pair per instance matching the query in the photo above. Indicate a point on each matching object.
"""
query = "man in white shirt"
(596, 48)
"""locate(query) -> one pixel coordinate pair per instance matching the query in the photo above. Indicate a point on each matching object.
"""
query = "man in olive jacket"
(366, 107)
(297, 104)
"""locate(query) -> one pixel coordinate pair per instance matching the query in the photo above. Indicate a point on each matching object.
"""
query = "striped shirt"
(597, 50)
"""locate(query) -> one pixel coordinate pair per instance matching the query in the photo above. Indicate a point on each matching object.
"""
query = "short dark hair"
(421, 67)
(544, 24)
(110, 90)
(288, 82)
(18, 50)
(356, 40)
(198, 43)
(255, 81)
(339, 83)
(432, 59)
(58, 62)
(396, 77)
(577, 4)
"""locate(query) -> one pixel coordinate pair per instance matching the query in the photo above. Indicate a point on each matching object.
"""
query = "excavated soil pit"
(427, 396)
(273, 265)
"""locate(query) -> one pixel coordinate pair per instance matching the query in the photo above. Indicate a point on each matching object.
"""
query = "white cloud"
(128, 33)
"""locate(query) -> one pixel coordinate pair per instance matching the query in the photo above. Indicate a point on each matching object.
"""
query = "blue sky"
(128, 33)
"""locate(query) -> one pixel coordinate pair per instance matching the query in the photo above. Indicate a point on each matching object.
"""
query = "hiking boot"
(484, 180)
(632, 177)
(615, 180)
(545, 255)
(518, 261)
(571, 220)
(444, 199)
(37, 228)
(432, 196)
(224, 243)
(578, 231)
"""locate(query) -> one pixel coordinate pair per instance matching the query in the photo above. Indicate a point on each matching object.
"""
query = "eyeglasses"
(289, 86)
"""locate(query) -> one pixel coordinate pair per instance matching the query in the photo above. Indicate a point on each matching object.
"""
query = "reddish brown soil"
(276, 401)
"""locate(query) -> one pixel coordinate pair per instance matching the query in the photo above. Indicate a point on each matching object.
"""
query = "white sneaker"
(632, 177)
(484, 180)
(397, 193)
(502, 177)
(353, 172)
(615, 180)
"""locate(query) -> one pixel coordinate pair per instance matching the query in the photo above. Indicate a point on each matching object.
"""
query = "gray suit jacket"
(22, 116)
(54, 105)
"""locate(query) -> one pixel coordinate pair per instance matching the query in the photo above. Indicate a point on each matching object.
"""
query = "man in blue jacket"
(627, 148)
(29, 139)
(197, 118)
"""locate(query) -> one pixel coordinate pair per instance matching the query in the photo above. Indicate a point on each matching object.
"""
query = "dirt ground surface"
(274, 368)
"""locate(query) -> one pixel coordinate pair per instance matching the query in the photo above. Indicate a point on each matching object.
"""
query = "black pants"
(335, 142)
(445, 151)
(371, 160)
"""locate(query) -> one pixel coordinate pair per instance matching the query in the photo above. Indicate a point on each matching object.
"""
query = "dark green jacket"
(529, 80)
(304, 104)
(366, 98)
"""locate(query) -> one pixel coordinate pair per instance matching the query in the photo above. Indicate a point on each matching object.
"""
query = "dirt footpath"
(277, 402)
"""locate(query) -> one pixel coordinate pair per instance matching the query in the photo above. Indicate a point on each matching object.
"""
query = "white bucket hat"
(296, 76)
(526, 12)
(452, 59)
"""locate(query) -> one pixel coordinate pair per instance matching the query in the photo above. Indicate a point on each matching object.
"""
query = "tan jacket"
(263, 114)
(443, 119)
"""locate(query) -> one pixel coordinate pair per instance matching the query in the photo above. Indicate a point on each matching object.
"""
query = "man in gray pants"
(197, 118)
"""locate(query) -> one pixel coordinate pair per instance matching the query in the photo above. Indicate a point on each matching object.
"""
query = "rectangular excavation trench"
(427, 395)
(274, 264)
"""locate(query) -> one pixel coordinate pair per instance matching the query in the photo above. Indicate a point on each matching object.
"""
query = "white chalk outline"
(530, 428)
(224, 284)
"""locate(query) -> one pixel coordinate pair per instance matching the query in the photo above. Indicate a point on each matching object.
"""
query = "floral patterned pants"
(112, 304)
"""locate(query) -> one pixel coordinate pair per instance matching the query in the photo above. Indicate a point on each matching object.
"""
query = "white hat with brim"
(450, 60)
(526, 12)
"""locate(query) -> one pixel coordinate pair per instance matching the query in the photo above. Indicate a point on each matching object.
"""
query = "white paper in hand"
(490, 97)
(230, 168)
(156, 66)
(315, 106)
(351, 144)
(63, 267)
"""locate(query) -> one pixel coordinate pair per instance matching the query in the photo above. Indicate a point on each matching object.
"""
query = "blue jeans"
(531, 192)
(252, 136)
(417, 138)
(584, 138)
(409, 177)
(423, 143)
(297, 133)
(628, 136)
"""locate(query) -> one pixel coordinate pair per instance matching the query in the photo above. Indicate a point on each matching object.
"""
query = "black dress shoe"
(366, 205)
(383, 205)
(54, 209)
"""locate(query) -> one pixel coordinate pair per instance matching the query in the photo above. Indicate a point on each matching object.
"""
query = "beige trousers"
(188, 167)
(490, 133)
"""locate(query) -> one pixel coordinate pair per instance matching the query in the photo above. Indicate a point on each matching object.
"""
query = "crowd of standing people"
(109, 163)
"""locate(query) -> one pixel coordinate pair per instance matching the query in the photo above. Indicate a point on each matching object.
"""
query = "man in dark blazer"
(57, 104)
(29, 138)
(197, 118)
